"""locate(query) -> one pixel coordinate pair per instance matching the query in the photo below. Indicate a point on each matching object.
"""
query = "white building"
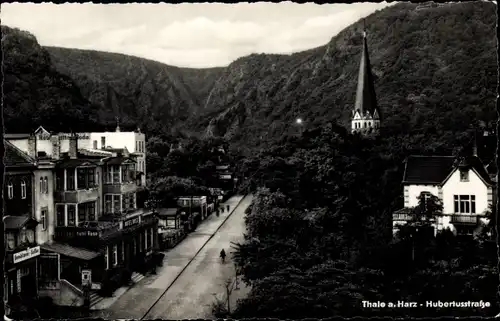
(464, 187)
(133, 142)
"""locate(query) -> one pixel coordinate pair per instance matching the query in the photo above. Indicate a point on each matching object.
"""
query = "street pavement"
(192, 272)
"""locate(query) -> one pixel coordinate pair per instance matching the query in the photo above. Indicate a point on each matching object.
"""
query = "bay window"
(82, 212)
(116, 174)
(116, 203)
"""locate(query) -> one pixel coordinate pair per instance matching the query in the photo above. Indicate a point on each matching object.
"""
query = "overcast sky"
(188, 35)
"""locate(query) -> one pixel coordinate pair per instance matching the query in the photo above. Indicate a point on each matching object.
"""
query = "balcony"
(77, 196)
(120, 188)
(465, 219)
(87, 234)
(402, 217)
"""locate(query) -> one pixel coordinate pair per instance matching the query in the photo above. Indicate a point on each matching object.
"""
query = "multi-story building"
(463, 185)
(21, 249)
(85, 201)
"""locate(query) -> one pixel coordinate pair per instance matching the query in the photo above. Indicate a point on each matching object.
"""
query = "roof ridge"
(24, 155)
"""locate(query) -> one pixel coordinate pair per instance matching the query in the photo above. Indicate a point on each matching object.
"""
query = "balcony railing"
(77, 196)
(402, 217)
(464, 219)
(90, 233)
(120, 188)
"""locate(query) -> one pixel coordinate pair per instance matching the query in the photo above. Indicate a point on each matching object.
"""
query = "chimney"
(32, 146)
(73, 146)
(56, 147)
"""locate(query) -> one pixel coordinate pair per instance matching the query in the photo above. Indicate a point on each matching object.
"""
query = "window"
(465, 204)
(82, 212)
(43, 218)
(59, 180)
(152, 238)
(95, 144)
(116, 203)
(103, 142)
(146, 240)
(10, 190)
(108, 201)
(46, 184)
(115, 255)
(71, 215)
(91, 214)
(23, 189)
(125, 201)
(464, 176)
(136, 146)
(116, 174)
(60, 215)
(106, 257)
(11, 241)
(81, 175)
(91, 178)
(42, 187)
(70, 180)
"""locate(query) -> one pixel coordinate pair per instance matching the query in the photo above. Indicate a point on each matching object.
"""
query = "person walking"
(228, 208)
(223, 255)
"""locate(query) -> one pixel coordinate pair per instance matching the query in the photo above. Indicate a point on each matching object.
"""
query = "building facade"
(20, 234)
(81, 204)
(463, 186)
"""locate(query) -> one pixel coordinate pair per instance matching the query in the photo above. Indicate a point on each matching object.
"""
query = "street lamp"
(298, 121)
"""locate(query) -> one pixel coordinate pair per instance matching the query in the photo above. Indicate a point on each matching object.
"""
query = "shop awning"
(71, 251)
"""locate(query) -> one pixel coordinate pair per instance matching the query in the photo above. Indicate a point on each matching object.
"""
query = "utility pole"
(228, 294)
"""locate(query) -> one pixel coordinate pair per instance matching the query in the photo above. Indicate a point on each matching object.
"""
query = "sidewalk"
(175, 261)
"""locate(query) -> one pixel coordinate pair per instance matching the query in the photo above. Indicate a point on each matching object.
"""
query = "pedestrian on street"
(228, 208)
(217, 212)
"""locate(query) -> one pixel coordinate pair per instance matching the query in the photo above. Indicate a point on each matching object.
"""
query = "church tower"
(365, 115)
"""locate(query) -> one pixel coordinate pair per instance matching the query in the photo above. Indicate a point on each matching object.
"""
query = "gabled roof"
(18, 222)
(436, 170)
(41, 131)
(427, 169)
(366, 100)
(14, 157)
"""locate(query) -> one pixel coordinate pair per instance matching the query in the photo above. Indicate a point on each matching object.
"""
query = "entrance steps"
(95, 298)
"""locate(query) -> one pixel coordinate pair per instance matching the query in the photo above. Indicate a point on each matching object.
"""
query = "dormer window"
(464, 175)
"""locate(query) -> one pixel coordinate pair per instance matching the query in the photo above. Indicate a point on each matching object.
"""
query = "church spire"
(366, 114)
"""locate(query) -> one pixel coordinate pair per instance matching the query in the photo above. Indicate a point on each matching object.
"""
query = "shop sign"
(131, 222)
(226, 176)
(26, 254)
(86, 277)
(96, 286)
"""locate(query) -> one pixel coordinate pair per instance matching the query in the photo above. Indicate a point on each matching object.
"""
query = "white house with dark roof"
(463, 185)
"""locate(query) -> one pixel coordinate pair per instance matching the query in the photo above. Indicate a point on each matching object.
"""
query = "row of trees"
(319, 233)
(182, 167)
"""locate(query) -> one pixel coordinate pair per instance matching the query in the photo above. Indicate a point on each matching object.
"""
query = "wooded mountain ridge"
(435, 71)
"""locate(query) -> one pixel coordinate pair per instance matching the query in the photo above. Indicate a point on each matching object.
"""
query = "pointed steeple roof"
(366, 100)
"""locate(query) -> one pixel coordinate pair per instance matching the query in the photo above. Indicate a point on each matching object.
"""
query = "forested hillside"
(35, 93)
(436, 71)
(153, 95)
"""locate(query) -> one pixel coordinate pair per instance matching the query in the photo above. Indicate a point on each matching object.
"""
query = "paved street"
(191, 291)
